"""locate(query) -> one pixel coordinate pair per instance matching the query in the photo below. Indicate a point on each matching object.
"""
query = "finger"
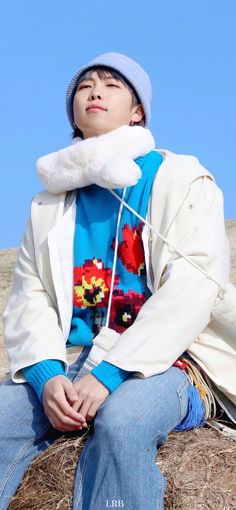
(68, 428)
(70, 391)
(85, 407)
(57, 423)
(77, 405)
(65, 428)
(92, 411)
(65, 407)
(61, 420)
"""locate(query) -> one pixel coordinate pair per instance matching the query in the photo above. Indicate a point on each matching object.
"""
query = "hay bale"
(48, 482)
(199, 466)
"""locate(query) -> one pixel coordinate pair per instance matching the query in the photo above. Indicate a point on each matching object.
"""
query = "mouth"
(95, 108)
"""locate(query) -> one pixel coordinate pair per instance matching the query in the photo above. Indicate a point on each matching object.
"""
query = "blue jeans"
(117, 464)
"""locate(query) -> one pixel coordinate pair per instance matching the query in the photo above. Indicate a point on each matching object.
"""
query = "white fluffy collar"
(106, 160)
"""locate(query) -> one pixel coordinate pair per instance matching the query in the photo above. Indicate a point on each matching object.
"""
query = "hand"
(58, 396)
(91, 395)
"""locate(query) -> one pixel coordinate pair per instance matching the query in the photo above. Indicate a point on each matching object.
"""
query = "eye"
(83, 86)
(112, 85)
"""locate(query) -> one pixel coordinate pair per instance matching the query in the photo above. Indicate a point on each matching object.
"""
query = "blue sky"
(186, 46)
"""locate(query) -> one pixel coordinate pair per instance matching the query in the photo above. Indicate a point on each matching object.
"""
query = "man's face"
(111, 95)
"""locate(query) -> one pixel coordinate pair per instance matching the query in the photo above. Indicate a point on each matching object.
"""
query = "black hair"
(102, 72)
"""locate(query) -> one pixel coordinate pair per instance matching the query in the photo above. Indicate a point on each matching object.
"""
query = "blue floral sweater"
(94, 238)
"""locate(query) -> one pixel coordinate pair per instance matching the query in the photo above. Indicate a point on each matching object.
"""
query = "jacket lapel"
(60, 244)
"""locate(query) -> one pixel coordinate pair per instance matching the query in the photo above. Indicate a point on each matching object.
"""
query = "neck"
(90, 134)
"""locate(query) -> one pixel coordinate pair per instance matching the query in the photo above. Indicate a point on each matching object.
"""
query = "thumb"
(69, 390)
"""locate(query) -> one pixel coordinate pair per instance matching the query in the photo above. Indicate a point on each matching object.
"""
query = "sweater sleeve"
(39, 373)
(110, 375)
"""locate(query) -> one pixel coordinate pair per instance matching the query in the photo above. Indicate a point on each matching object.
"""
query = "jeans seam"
(162, 491)
(180, 389)
(183, 384)
(19, 458)
(82, 473)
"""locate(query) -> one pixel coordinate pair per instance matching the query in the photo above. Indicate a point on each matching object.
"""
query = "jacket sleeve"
(30, 318)
(172, 318)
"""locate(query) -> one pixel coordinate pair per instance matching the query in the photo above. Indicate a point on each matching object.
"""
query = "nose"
(95, 92)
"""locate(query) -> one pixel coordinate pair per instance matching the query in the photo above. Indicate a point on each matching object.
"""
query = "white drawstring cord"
(166, 241)
(115, 258)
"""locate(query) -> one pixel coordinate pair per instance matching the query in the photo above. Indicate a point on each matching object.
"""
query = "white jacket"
(186, 206)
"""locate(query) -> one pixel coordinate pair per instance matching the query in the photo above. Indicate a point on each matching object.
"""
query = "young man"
(102, 308)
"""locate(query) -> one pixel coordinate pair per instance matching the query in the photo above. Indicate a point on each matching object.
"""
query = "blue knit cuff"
(39, 373)
(110, 375)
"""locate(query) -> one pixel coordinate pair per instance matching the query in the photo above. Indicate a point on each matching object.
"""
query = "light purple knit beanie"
(130, 69)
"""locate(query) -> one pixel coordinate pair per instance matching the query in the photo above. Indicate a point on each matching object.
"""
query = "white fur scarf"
(107, 160)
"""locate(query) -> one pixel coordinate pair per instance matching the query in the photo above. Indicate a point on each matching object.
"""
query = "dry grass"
(7, 264)
(199, 465)
(48, 483)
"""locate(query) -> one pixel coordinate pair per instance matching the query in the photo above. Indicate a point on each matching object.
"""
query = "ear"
(138, 113)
